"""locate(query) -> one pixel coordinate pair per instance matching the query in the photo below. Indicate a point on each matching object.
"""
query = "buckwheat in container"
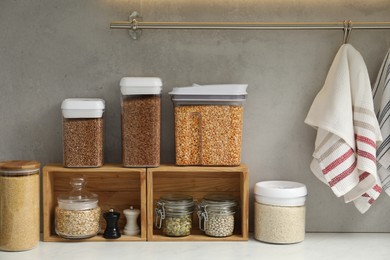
(280, 212)
(141, 121)
(19, 205)
(83, 127)
(208, 124)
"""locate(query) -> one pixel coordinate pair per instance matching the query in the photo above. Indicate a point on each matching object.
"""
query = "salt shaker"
(131, 228)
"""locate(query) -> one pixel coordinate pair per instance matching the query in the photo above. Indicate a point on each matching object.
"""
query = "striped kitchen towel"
(381, 91)
(348, 132)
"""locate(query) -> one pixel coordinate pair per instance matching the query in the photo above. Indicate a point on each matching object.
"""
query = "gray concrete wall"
(52, 50)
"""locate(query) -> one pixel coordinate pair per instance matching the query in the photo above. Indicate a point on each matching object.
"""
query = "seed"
(77, 223)
(19, 220)
(219, 225)
(141, 119)
(83, 142)
(208, 135)
(177, 226)
(279, 224)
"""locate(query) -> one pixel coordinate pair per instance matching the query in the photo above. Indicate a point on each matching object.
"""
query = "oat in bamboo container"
(174, 215)
(280, 212)
(208, 124)
(141, 121)
(83, 127)
(216, 215)
(19, 205)
(77, 215)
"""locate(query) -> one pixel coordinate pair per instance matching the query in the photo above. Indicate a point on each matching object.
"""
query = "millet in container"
(208, 124)
(280, 212)
(141, 121)
(83, 128)
(174, 215)
(19, 205)
(216, 215)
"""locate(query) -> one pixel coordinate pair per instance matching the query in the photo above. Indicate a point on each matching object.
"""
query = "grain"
(77, 223)
(208, 135)
(83, 142)
(177, 226)
(219, 225)
(141, 119)
(279, 224)
(19, 212)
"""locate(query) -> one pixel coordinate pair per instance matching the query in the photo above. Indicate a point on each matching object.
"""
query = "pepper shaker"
(131, 228)
(112, 230)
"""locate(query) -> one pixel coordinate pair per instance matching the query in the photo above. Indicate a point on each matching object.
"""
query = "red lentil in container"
(141, 121)
(208, 124)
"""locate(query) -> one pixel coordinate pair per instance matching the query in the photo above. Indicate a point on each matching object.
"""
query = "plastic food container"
(174, 215)
(208, 124)
(141, 121)
(77, 215)
(280, 212)
(216, 215)
(19, 205)
(83, 132)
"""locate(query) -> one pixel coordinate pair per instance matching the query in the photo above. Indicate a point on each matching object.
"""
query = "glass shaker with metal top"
(216, 215)
(174, 215)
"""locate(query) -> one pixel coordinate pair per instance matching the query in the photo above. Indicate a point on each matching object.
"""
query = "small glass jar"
(216, 215)
(77, 215)
(174, 215)
(280, 212)
(83, 128)
(141, 121)
(19, 205)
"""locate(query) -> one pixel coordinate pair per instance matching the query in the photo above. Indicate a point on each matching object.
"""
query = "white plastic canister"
(280, 211)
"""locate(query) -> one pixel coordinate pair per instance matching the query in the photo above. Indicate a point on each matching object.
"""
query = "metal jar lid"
(19, 168)
(219, 203)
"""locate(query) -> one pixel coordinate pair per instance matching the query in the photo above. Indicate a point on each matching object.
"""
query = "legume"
(219, 225)
(208, 135)
(177, 226)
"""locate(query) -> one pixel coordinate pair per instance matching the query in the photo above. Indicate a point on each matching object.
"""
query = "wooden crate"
(116, 186)
(198, 182)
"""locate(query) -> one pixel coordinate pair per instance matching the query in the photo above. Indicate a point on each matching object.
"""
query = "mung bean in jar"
(174, 215)
(216, 215)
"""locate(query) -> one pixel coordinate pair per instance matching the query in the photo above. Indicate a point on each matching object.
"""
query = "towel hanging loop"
(347, 30)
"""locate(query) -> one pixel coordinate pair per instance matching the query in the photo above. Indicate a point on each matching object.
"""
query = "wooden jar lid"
(19, 165)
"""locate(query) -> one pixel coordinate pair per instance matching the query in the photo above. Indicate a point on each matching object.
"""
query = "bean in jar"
(174, 215)
(216, 215)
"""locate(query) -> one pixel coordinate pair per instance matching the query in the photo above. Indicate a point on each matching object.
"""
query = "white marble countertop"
(317, 246)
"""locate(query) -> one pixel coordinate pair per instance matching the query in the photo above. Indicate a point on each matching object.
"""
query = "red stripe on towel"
(342, 175)
(367, 155)
(363, 176)
(365, 140)
(371, 201)
(377, 188)
(338, 161)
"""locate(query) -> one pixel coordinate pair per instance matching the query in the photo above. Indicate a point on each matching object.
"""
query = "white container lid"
(140, 86)
(82, 107)
(280, 193)
(221, 89)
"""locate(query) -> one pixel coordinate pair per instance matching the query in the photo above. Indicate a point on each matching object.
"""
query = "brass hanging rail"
(135, 25)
